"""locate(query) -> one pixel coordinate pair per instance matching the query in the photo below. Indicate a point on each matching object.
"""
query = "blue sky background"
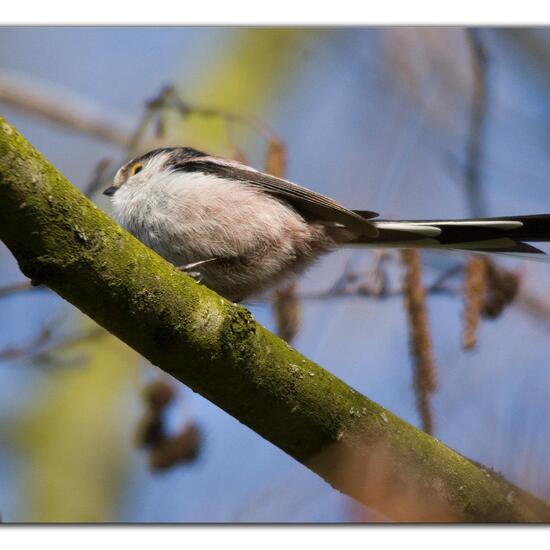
(378, 119)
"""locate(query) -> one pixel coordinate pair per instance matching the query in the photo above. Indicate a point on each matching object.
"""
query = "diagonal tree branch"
(62, 240)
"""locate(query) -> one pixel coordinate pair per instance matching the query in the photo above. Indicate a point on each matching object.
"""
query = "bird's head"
(150, 166)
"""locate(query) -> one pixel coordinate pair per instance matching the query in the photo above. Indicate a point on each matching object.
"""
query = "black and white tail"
(507, 235)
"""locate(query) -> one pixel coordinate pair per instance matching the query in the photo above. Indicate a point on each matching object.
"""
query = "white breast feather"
(192, 216)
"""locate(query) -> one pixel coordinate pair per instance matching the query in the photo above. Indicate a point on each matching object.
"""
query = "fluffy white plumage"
(187, 217)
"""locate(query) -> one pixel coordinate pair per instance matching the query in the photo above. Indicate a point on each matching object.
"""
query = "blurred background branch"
(62, 107)
(478, 117)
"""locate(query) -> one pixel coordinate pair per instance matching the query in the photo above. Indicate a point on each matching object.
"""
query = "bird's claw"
(189, 269)
(197, 275)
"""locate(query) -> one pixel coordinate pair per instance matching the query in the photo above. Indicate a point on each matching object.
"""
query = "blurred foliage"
(77, 438)
(256, 69)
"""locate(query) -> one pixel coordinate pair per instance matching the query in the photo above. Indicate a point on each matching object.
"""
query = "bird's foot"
(191, 270)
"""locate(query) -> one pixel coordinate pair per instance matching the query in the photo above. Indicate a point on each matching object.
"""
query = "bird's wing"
(313, 206)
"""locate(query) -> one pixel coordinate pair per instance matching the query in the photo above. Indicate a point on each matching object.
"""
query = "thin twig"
(11, 353)
(445, 276)
(34, 346)
(478, 119)
(99, 178)
(68, 341)
(170, 99)
(137, 137)
(364, 292)
(175, 101)
(16, 288)
(238, 153)
(349, 285)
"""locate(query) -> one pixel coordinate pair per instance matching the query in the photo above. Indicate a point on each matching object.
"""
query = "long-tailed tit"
(241, 231)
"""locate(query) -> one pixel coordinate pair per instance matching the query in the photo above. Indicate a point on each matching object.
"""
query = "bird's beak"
(110, 191)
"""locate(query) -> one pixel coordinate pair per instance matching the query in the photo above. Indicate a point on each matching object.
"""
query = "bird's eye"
(136, 168)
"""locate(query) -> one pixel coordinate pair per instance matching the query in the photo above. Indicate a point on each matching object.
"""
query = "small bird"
(240, 231)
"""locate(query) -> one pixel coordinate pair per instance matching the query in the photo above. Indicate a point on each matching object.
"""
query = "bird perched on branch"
(240, 231)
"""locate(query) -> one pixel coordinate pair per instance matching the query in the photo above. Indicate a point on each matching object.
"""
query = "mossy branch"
(62, 240)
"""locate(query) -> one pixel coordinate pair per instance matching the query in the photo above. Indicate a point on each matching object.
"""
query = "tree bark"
(62, 240)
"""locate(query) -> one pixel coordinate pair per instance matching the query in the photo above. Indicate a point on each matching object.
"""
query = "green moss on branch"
(62, 240)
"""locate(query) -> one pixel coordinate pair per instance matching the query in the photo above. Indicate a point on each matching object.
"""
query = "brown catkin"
(184, 447)
(502, 289)
(287, 312)
(286, 306)
(475, 286)
(275, 159)
(157, 396)
(238, 155)
(419, 335)
(150, 430)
